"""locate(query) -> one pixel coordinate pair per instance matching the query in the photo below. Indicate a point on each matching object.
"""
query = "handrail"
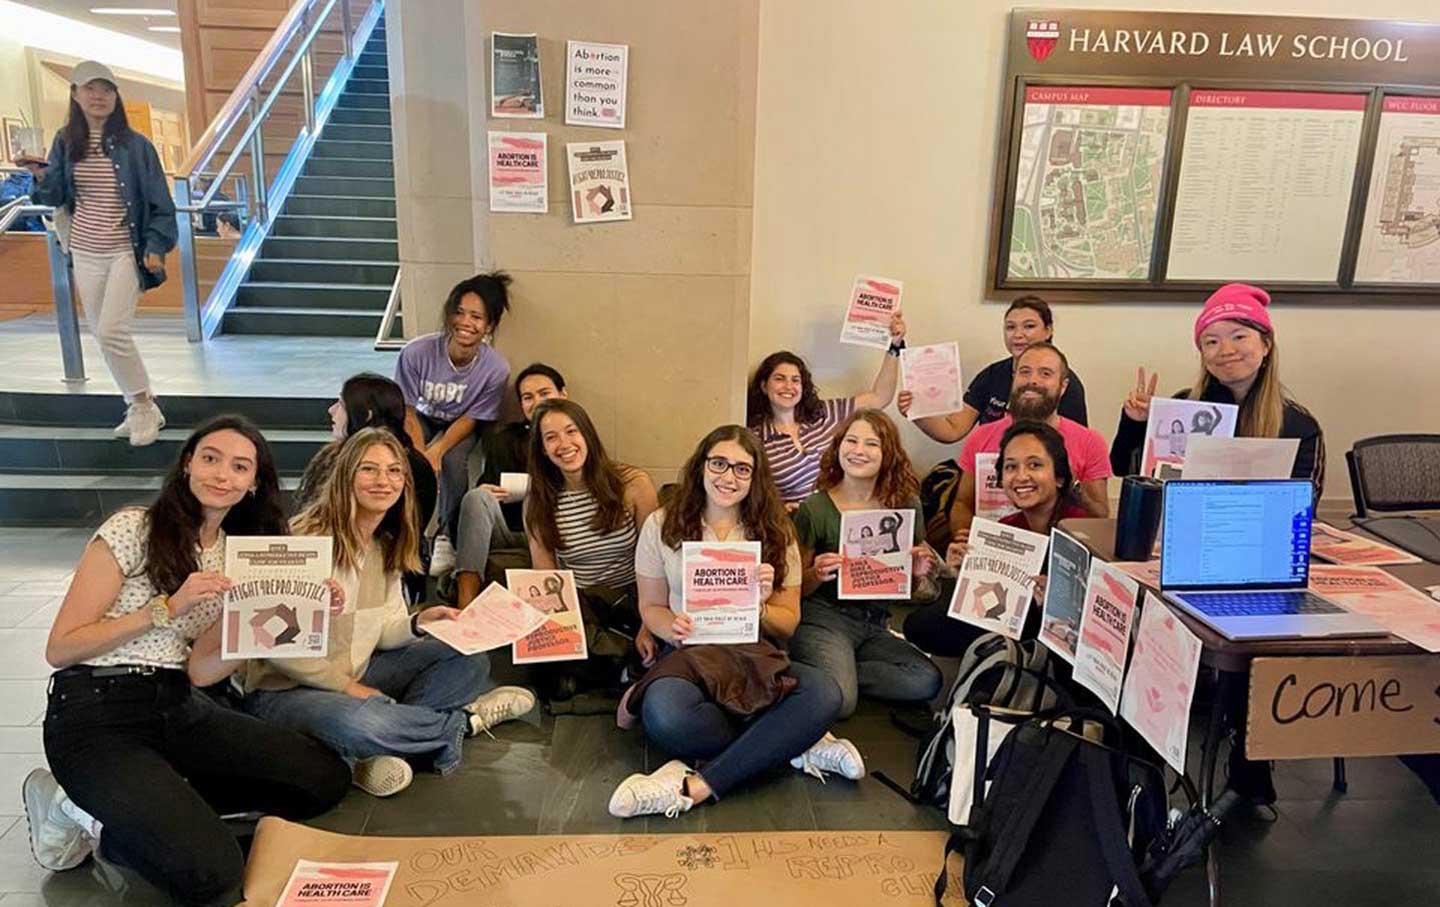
(67, 321)
(219, 128)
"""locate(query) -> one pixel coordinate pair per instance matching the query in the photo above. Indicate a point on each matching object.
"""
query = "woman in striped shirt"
(795, 424)
(584, 510)
(109, 180)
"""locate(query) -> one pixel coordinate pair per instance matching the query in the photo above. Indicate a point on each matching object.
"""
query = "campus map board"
(1265, 185)
(1400, 237)
(1088, 182)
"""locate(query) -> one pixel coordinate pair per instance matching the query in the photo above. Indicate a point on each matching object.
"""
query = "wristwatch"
(160, 612)
(896, 347)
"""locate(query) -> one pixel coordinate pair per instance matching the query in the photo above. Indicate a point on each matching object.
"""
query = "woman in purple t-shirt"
(453, 379)
(795, 424)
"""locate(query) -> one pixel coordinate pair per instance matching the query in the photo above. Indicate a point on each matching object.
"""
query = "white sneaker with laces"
(58, 841)
(442, 556)
(831, 754)
(145, 421)
(382, 776)
(498, 706)
(659, 793)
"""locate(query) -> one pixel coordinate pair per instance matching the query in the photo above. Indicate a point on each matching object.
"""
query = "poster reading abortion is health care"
(518, 172)
(722, 591)
(278, 605)
(867, 317)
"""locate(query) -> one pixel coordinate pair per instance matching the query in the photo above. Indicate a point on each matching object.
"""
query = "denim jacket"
(150, 212)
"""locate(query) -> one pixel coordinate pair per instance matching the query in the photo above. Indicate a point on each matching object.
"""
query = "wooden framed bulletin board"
(1158, 155)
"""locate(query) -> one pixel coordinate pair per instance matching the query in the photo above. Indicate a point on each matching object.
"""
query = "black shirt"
(989, 393)
(506, 447)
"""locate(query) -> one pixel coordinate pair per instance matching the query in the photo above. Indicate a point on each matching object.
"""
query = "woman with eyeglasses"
(386, 692)
(726, 494)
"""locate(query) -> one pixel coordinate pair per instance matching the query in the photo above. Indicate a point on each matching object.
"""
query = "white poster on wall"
(595, 77)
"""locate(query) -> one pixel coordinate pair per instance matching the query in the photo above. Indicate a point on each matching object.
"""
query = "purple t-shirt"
(436, 388)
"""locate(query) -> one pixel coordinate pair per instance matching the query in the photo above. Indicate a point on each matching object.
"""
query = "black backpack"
(1067, 818)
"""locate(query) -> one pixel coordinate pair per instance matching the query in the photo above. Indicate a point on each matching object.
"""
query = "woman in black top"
(1027, 321)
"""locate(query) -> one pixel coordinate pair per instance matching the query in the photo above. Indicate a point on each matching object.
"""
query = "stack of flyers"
(495, 618)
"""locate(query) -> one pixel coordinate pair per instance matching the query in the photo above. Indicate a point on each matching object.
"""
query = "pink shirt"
(1089, 454)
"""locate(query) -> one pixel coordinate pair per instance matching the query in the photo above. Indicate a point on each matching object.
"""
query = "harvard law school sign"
(1198, 45)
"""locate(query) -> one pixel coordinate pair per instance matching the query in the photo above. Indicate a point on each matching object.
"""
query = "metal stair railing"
(240, 128)
(67, 320)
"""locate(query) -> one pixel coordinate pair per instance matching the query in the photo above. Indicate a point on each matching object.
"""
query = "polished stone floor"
(1378, 845)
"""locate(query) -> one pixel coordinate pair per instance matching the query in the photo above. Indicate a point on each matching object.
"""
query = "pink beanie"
(1235, 302)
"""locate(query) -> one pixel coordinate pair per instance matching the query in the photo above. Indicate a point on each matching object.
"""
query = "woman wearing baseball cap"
(109, 180)
(1240, 364)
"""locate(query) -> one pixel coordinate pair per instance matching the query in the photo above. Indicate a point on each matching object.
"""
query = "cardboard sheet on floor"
(837, 869)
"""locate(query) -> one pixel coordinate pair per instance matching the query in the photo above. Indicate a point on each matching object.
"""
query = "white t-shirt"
(125, 533)
(653, 560)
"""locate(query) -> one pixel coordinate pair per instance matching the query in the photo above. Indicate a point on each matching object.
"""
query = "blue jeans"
(454, 473)
(482, 529)
(683, 721)
(427, 686)
(850, 642)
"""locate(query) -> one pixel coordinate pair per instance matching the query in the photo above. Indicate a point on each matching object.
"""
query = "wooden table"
(1231, 658)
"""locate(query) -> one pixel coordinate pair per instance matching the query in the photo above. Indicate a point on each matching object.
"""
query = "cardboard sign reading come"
(1304, 708)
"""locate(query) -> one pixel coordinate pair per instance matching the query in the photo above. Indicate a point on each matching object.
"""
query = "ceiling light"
(130, 11)
(165, 28)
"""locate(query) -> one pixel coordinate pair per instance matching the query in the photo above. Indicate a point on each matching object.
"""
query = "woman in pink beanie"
(1240, 364)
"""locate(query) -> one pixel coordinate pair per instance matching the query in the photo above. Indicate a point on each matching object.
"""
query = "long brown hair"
(1262, 412)
(76, 131)
(762, 512)
(895, 485)
(173, 521)
(757, 403)
(333, 512)
(603, 477)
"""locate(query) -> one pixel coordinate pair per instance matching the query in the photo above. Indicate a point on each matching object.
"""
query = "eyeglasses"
(371, 472)
(718, 466)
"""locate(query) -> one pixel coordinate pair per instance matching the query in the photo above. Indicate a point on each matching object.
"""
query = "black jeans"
(158, 762)
(454, 475)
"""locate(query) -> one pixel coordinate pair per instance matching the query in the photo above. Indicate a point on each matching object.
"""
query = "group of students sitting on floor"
(142, 748)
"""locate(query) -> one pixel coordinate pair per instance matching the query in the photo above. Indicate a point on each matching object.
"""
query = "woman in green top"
(864, 468)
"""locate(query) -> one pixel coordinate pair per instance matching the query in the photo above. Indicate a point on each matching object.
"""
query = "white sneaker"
(498, 706)
(123, 429)
(382, 776)
(660, 792)
(831, 754)
(57, 840)
(145, 421)
(442, 556)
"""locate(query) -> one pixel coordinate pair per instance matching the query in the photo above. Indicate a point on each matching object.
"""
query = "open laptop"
(1236, 555)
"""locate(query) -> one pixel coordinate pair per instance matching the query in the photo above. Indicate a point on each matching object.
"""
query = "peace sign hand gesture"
(1137, 402)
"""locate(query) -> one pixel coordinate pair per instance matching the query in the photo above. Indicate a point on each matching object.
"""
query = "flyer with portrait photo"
(515, 77)
(876, 562)
(493, 619)
(599, 181)
(1110, 597)
(1064, 594)
(873, 300)
(278, 605)
(562, 636)
(338, 884)
(997, 577)
(518, 172)
(990, 500)
(722, 591)
(1160, 685)
(1171, 423)
(595, 76)
(932, 374)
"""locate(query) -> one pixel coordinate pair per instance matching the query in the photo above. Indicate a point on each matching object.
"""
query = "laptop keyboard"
(1260, 604)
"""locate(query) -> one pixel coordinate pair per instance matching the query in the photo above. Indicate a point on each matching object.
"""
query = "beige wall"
(875, 151)
(648, 319)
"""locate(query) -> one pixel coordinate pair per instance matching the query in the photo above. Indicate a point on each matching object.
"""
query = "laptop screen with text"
(1236, 535)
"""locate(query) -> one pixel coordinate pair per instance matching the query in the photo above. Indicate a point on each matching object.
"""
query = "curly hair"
(896, 484)
(757, 402)
(762, 512)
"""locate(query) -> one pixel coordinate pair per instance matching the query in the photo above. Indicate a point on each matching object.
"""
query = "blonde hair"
(1262, 412)
(333, 512)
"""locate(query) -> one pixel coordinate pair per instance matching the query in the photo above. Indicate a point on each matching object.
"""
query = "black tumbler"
(1138, 519)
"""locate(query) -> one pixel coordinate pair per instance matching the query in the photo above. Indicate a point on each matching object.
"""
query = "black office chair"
(1390, 473)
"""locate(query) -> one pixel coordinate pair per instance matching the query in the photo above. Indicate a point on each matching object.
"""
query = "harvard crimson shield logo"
(1042, 38)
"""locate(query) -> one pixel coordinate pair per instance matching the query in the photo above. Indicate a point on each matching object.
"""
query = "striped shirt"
(598, 558)
(797, 468)
(100, 223)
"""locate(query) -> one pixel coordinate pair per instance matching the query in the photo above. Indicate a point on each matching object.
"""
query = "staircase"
(61, 466)
(327, 267)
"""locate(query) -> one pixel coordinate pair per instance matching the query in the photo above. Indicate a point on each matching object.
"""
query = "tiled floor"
(1379, 845)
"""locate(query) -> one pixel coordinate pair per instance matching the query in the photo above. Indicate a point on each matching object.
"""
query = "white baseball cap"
(89, 71)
